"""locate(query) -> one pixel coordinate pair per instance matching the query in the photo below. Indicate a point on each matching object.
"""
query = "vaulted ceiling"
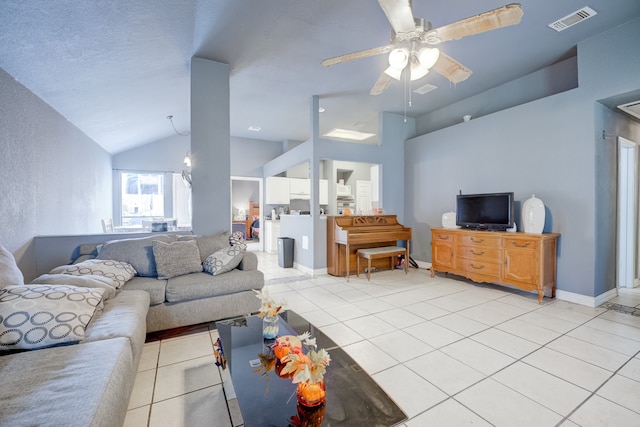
(116, 69)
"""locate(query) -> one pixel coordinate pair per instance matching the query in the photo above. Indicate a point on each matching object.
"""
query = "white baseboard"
(304, 268)
(586, 300)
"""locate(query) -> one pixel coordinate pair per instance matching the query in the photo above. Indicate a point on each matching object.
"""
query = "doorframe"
(628, 229)
(260, 201)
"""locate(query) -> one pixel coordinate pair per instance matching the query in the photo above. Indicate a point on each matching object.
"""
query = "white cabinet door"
(323, 193)
(300, 188)
(277, 191)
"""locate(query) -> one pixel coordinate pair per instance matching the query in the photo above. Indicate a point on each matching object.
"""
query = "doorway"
(246, 205)
(628, 260)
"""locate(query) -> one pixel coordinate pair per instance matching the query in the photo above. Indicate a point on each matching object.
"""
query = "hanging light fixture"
(422, 61)
(170, 117)
(398, 59)
(187, 159)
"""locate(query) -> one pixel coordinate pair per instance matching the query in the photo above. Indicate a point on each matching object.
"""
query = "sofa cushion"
(176, 258)
(224, 260)
(36, 316)
(88, 281)
(210, 244)
(137, 252)
(120, 272)
(77, 385)
(154, 287)
(202, 285)
(10, 274)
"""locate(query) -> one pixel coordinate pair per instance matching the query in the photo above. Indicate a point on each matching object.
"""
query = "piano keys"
(347, 234)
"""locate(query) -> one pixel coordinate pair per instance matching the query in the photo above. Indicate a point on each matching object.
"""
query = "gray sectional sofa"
(85, 375)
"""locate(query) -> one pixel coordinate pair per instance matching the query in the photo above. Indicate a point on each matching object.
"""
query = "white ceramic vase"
(533, 215)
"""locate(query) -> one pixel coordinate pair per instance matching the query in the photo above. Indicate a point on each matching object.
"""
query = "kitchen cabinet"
(300, 188)
(271, 234)
(277, 191)
(323, 193)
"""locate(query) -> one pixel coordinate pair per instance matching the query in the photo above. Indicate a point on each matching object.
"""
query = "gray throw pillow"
(10, 274)
(224, 260)
(137, 252)
(211, 244)
(176, 259)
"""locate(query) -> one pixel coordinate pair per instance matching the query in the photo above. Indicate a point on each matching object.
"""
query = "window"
(142, 197)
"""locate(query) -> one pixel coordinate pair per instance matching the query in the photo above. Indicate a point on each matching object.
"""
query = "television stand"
(523, 260)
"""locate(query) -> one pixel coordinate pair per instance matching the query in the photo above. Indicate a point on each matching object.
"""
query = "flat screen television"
(491, 211)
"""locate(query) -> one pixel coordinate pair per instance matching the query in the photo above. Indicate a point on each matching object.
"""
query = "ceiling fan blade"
(399, 15)
(381, 85)
(504, 16)
(451, 69)
(357, 55)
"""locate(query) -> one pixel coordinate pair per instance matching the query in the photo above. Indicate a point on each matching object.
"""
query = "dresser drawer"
(478, 266)
(479, 252)
(485, 239)
(443, 236)
(521, 243)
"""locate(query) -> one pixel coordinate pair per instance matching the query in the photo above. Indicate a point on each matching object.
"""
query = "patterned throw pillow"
(177, 258)
(224, 260)
(120, 272)
(237, 239)
(37, 316)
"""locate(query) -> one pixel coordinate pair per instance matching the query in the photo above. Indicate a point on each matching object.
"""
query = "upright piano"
(347, 234)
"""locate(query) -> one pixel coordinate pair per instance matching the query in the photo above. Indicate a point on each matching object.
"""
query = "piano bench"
(383, 252)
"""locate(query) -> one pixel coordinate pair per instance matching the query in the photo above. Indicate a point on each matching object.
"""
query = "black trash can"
(285, 252)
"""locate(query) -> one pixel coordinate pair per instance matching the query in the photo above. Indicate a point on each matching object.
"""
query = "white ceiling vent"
(424, 89)
(632, 108)
(573, 19)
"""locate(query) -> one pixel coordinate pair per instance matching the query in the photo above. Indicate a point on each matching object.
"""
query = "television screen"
(493, 211)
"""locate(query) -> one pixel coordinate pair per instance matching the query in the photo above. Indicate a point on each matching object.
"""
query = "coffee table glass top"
(353, 397)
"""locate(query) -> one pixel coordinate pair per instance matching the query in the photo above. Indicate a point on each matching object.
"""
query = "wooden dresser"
(526, 261)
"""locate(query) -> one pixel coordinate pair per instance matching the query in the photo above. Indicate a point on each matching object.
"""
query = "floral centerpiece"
(268, 311)
(306, 370)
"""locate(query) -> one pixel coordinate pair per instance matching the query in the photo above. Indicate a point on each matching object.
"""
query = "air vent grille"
(424, 89)
(573, 19)
(632, 108)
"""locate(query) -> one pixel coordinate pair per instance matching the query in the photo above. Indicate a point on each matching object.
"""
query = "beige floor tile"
(568, 368)
(149, 358)
(588, 352)
(401, 346)
(341, 334)
(138, 417)
(435, 335)
(411, 392)
(623, 391)
(426, 311)
(319, 318)
(597, 412)
(631, 369)
(623, 318)
(478, 356)
(550, 391)
(460, 324)
(506, 343)
(614, 327)
(185, 377)
(399, 318)
(373, 305)
(502, 406)
(449, 413)
(369, 357)
(603, 339)
(202, 408)
(445, 372)
(189, 347)
(528, 331)
(551, 323)
(370, 326)
(142, 392)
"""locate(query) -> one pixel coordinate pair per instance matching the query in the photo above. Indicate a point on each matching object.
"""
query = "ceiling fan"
(412, 38)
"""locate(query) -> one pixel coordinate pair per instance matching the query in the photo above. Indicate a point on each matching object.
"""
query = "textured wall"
(53, 178)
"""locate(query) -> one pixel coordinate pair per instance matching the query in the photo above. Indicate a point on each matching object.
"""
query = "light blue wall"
(165, 155)
(551, 147)
(248, 156)
(54, 179)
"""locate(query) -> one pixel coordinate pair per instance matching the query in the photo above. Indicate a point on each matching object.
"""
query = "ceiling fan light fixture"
(418, 71)
(395, 73)
(398, 58)
(428, 56)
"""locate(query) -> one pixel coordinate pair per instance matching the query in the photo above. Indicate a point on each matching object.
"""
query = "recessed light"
(321, 110)
(254, 128)
(353, 135)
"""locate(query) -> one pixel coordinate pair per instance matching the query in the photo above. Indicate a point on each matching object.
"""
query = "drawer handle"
(477, 253)
(443, 237)
(473, 239)
(520, 246)
(477, 267)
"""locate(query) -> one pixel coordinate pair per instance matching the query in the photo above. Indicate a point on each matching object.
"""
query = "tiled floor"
(450, 353)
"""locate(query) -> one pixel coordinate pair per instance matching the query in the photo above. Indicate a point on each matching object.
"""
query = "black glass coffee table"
(353, 397)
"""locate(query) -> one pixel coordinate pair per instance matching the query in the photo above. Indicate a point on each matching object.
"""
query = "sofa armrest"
(249, 262)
